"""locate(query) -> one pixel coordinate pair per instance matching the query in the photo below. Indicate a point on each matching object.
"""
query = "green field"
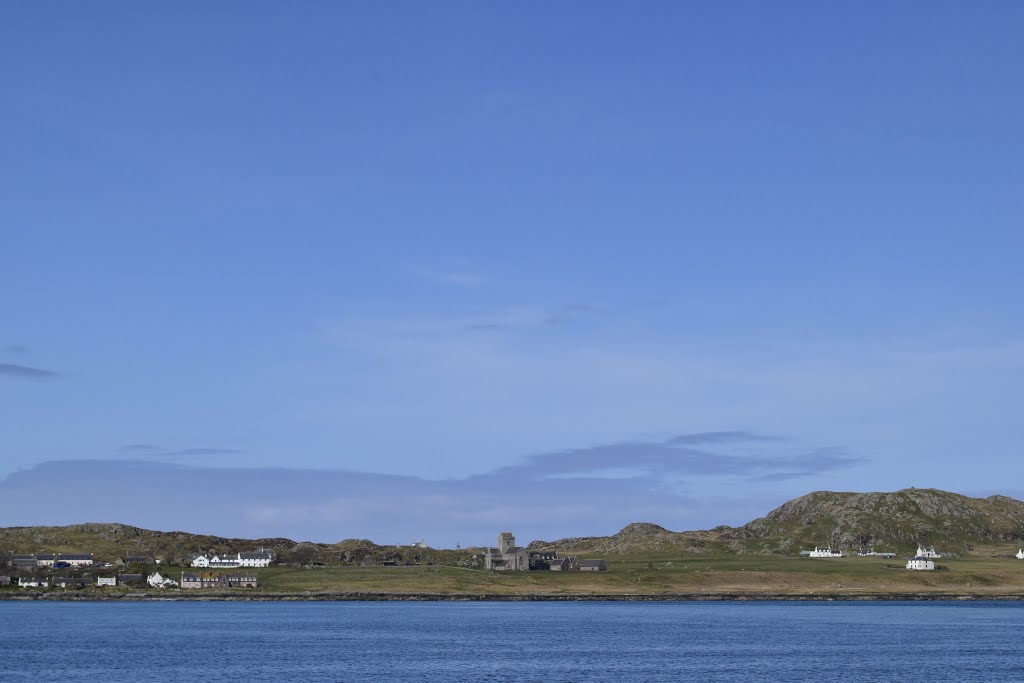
(660, 575)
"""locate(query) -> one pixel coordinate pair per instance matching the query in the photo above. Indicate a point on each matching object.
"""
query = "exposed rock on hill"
(895, 521)
(639, 537)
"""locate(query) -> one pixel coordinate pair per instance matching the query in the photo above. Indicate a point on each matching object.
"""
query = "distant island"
(872, 539)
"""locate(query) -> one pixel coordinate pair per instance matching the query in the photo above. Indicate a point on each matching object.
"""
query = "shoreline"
(490, 597)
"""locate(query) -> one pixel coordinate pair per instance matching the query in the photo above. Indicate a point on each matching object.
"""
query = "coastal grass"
(667, 575)
(639, 575)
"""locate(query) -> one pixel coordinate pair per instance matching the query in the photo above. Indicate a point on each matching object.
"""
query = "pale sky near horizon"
(692, 258)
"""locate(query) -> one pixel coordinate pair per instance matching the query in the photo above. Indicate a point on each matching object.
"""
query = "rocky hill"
(887, 521)
(895, 521)
(109, 542)
(636, 538)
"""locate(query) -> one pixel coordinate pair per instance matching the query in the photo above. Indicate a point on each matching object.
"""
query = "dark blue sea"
(578, 641)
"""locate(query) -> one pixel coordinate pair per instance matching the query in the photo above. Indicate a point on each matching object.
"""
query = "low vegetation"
(980, 537)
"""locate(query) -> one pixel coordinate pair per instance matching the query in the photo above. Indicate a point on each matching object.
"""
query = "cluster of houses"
(58, 560)
(30, 565)
(219, 580)
(255, 558)
(508, 557)
(923, 559)
(154, 580)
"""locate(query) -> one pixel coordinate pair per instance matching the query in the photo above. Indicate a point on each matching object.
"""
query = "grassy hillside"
(888, 521)
(898, 521)
(895, 522)
(112, 541)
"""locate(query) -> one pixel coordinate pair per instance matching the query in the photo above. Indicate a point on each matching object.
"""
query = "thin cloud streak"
(26, 372)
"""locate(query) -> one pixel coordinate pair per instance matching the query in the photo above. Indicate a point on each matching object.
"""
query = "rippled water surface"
(343, 641)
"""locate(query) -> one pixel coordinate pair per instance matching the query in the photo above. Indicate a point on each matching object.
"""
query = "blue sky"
(442, 248)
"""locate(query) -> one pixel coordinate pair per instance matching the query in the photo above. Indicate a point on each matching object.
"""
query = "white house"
(31, 583)
(256, 558)
(157, 581)
(825, 552)
(927, 551)
(106, 581)
(72, 560)
(225, 561)
(920, 563)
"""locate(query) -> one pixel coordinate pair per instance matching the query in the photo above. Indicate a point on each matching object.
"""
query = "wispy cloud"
(16, 348)
(137, 448)
(145, 450)
(25, 371)
(678, 458)
(452, 278)
(531, 318)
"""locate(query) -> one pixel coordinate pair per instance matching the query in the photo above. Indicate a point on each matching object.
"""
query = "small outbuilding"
(593, 566)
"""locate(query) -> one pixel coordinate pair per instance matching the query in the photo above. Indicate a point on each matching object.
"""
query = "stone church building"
(507, 556)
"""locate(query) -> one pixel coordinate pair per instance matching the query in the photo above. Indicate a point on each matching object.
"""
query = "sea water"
(501, 641)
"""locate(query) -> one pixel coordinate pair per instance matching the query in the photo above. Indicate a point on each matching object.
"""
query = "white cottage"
(927, 551)
(157, 581)
(32, 583)
(920, 563)
(825, 552)
(1020, 554)
(256, 558)
(106, 580)
(201, 561)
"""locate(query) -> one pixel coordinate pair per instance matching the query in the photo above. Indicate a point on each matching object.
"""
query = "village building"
(106, 580)
(29, 582)
(72, 581)
(1020, 554)
(155, 580)
(825, 552)
(75, 559)
(920, 563)
(593, 566)
(45, 560)
(225, 561)
(24, 562)
(129, 579)
(507, 557)
(927, 551)
(241, 581)
(204, 580)
(5, 581)
(256, 558)
(211, 580)
(139, 559)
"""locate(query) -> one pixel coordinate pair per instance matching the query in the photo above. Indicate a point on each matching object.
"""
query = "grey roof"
(257, 555)
(45, 556)
(73, 556)
(592, 563)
